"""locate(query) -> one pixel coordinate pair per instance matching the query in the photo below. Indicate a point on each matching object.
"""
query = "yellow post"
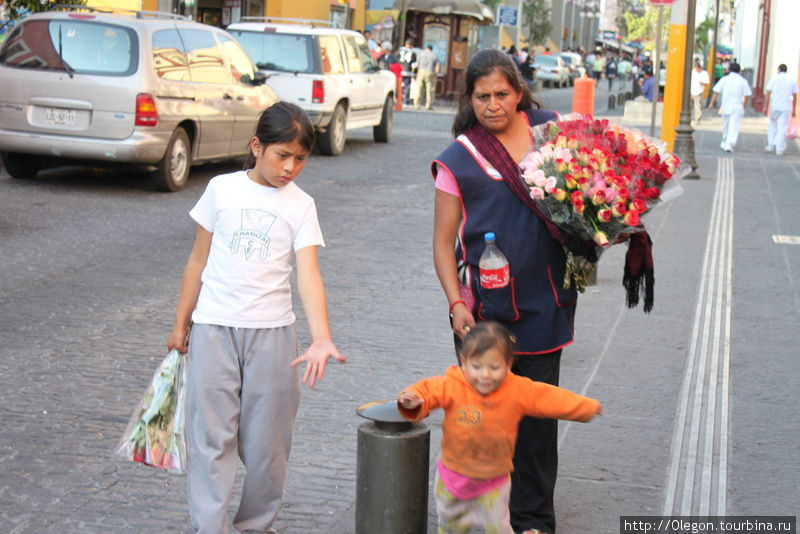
(712, 60)
(676, 56)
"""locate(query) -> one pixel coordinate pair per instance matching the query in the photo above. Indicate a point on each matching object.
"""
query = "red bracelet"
(453, 305)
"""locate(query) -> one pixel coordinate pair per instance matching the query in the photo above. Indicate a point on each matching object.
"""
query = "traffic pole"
(677, 56)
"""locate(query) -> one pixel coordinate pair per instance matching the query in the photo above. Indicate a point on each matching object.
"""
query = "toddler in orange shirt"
(483, 403)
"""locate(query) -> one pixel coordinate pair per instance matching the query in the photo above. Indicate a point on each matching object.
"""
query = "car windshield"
(85, 47)
(278, 51)
(547, 60)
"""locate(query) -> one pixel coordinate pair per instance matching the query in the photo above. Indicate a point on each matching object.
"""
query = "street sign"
(507, 15)
(662, 2)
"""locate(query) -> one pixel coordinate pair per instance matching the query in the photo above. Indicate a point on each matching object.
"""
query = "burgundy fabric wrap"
(639, 271)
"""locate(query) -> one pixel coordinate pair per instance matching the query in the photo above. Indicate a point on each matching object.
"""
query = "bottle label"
(495, 278)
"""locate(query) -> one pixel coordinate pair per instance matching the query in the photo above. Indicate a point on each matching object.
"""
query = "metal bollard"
(391, 472)
(611, 102)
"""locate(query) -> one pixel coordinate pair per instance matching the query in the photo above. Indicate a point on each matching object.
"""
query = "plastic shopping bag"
(791, 130)
(155, 433)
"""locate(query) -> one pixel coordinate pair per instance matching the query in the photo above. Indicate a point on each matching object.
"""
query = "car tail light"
(146, 112)
(318, 92)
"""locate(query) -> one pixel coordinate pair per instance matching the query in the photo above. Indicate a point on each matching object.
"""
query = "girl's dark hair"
(483, 64)
(485, 336)
(282, 122)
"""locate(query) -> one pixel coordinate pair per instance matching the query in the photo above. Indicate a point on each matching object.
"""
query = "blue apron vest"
(534, 307)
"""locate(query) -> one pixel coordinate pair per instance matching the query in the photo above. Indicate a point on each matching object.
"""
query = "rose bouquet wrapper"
(155, 434)
(595, 180)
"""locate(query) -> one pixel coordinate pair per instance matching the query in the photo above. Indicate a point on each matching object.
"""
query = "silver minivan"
(153, 90)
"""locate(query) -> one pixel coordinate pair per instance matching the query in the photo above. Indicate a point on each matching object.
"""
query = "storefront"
(451, 27)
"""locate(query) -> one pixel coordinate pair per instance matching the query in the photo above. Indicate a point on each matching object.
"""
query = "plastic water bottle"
(493, 265)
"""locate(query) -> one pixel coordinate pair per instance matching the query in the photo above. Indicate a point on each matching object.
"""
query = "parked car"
(328, 72)
(551, 70)
(575, 65)
(147, 89)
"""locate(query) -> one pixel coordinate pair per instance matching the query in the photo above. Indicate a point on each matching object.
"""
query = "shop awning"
(469, 8)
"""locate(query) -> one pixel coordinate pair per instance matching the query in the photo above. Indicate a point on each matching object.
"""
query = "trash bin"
(391, 472)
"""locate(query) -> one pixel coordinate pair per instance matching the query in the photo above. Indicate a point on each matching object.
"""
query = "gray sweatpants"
(241, 396)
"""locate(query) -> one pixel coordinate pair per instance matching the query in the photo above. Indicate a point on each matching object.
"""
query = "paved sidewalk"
(700, 395)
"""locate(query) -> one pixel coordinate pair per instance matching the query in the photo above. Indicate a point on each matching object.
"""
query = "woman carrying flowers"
(478, 191)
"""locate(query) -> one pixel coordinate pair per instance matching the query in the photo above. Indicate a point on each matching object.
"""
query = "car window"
(241, 66)
(567, 60)
(169, 56)
(331, 52)
(278, 51)
(353, 54)
(84, 47)
(205, 57)
(367, 58)
(547, 60)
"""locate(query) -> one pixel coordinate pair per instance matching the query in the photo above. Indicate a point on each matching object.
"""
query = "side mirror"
(260, 78)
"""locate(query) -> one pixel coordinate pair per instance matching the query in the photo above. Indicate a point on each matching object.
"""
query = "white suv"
(328, 72)
(153, 90)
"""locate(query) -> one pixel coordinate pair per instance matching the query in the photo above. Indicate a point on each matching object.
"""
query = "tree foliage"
(701, 40)
(634, 7)
(643, 28)
(15, 9)
(536, 16)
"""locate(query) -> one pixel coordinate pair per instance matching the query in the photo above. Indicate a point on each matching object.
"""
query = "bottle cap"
(489, 236)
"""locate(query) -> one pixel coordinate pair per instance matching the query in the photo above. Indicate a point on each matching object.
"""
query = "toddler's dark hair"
(487, 335)
(282, 122)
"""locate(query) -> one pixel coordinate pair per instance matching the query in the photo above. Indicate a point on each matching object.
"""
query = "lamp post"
(684, 141)
(572, 27)
(588, 12)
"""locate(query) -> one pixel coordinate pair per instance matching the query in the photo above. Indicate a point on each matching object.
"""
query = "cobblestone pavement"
(91, 265)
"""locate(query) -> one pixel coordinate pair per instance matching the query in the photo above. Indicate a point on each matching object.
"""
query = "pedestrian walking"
(408, 61)
(697, 86)
(733, 92)
(387, 58)
(624, 70)
(427, 75)
(492, 129)
(780, 105)
(243, 388)
(483, 403)
(611, 72)
(598, 66)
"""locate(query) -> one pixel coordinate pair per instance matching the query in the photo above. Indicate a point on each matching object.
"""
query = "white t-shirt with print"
(256, 230)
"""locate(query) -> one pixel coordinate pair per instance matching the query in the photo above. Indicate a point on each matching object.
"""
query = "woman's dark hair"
(483, 64)
(487, 335)
(282, 122)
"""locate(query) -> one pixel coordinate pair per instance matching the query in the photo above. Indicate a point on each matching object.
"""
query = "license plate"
(59, 117)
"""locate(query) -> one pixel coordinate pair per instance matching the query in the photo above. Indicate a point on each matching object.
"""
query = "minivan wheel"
(331, 141)
(173, 170)
(20, 165)
(382, 133)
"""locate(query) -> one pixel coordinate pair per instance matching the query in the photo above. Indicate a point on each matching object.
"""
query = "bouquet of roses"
(155, 434)
(595, 180)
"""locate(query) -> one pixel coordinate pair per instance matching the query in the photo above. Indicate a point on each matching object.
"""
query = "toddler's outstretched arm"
(408, 399)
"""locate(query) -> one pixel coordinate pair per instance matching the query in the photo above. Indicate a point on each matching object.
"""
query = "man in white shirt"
(779, 106)
(697, 87)
(734, 91)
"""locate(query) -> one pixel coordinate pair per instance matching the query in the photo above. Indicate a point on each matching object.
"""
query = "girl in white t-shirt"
(243, 388)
